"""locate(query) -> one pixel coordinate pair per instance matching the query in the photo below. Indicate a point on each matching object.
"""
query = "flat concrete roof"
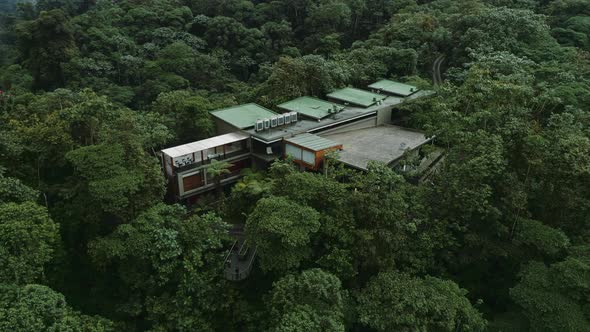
(385, 143)
(356, 96)
(243, 116)
(312, 142)
(312, 107)
(211, 142)
(304, 125)
(393, 87)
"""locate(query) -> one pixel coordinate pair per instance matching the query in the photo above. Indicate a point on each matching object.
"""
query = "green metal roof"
(393, 87)
(356, 96)
(311, 107)
(243, 116)
(312, 142)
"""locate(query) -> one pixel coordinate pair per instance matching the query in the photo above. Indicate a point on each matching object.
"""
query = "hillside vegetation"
(497, 240)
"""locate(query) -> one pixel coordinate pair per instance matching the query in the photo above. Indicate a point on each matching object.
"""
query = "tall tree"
(45, 44)
(399, 302)
(28, 239)
(165, 266)
(281, 229)
(39, 308)
(310, 301)
(556, 297)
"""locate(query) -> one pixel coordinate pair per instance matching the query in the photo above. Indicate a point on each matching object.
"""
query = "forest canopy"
(498, 239)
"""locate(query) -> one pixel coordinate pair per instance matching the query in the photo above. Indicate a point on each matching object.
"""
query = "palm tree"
(217, 169)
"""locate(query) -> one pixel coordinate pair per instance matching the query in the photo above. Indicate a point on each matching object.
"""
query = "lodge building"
(360, 124)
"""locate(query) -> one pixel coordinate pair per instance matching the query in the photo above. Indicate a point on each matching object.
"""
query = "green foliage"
(502, 29)
(47, 43)
(39, 308)
(310, 75)
(244, 195)
(186, 114)
(398, 302)
(556, 297)
(310, 300)
(543, 238)
(91, 90)
(13, 190)
(281, 229)
(28, 239)
(165, 268)
(102, 166)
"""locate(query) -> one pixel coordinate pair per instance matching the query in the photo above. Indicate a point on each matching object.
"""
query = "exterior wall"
(384, 116)
(360, 124)
(188, 180)
(198, 180)
(318, 157)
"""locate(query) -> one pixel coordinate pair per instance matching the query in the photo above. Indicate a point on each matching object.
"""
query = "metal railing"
(241, 269)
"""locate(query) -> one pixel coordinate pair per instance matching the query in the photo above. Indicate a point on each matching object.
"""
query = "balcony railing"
(219, 156)
(239, 261)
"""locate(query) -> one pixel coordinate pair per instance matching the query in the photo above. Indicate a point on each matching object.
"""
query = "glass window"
(293, 151)
(308, 157)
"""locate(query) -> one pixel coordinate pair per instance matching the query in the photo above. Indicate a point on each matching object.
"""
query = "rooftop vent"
(259, 125)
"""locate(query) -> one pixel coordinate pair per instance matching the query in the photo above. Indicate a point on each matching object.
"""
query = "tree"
(165, 267)
(310, 75)
(244, 195)
(218, 169)
(279, 33)
(28, 239)
(47, 43)
(310, 301)
(39, 308)
(13, 190)
(333, 244)
(122, 184)
(500, 29)
(68, 6)
(541, 238)
(16, 77)
(392, 230)
(281, 230)
(186, 114)
(399, 302)
(556, 297)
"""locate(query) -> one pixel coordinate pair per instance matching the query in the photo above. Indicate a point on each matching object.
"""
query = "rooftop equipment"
(259, 125)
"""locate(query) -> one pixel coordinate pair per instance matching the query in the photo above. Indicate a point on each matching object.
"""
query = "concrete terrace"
(385, 143)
